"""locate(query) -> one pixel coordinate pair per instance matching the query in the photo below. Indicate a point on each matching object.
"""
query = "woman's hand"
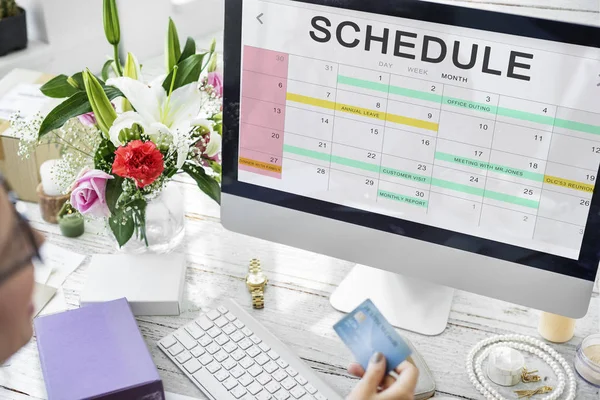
(375, 385)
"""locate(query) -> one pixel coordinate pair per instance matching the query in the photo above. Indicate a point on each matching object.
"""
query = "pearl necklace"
(522, 343)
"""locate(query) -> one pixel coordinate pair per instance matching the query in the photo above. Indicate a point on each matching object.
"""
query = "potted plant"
(13, 27)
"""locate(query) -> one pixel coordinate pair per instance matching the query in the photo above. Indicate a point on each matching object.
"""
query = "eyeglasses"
(19, 255)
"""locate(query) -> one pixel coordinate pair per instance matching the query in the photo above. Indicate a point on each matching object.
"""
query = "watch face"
(257, 279)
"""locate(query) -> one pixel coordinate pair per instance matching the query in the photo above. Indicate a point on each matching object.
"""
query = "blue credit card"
(365, 331)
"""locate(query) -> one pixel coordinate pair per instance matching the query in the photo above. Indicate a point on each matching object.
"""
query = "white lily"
(214, 145)
(157, 112)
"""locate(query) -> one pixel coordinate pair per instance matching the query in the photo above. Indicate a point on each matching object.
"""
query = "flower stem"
(73, 147)
(117, 60)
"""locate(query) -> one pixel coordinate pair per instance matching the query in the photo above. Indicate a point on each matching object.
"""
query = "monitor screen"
(484, 140)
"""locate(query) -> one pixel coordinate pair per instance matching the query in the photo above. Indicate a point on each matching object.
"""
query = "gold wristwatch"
(256, 282)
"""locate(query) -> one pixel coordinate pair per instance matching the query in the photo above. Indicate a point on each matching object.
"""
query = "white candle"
(49, 181)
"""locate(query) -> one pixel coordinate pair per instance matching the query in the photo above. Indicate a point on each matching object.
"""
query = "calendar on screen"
(487, 134)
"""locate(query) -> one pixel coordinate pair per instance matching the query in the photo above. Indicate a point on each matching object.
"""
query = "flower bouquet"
(124, 139)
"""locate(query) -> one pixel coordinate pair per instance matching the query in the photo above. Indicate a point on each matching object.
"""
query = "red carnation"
(140, 161)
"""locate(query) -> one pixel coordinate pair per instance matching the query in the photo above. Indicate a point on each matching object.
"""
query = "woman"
(19, 245)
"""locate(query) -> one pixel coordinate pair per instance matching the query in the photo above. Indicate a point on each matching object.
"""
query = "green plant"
(8, 8)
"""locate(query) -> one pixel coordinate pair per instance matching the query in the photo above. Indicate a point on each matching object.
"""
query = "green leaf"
(122, 226)
(173, 50)
(106, 69)
(189, 49)
(78, 79)
(58, 88)
(188, 71)
(114, 189)
(207, 184)
(72, 107)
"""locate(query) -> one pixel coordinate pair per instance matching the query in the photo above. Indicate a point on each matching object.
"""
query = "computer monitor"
(435, 144)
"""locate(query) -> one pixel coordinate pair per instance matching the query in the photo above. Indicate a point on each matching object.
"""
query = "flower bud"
(112, 29)
(103, 109)
(213, 46)
(132, 67)
(212, 66)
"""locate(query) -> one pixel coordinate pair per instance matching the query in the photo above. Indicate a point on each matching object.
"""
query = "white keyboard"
(229, 355)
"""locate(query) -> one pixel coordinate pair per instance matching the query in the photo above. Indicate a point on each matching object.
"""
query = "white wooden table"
(298, 310)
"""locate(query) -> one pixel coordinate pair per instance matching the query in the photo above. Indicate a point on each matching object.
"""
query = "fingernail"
(377, 357)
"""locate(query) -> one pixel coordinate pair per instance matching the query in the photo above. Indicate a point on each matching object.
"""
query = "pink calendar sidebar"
(262, 116)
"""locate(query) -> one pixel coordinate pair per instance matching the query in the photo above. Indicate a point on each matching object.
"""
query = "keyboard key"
(273, 354)
(262, 359)
(246, 379)
(288, 383)
(297, 392)
(238, 392)
(280, 375)
(222, 339)
(247, 331)
(246, 362)
(254, 388)
(238, 355)
(205, 359)
(198, 351)
(228, 363)
(237, 336)
(282, 395)
(273, 387)
(192, 366)
(255, 370)
(221, 375)
(230, 383)
(253, 351)
(244, 344)
(229, 329)
(230, 316)
(238, 324)
(214, 332)
(213, 314)
(301, 380)
(213, 367)
(255, 339)
(213, 348)
(194, 330)
(222, 310)
(205, 341)
(204, 323)
(183, 357)
(310, 389)
(237, 372)
(185, 339)
(291, 371)
(264, 378)
(221, 355)
(263, 396)
(168, 342)
(230, 347)
(176, 349)
(270, 367)
(319, 396)
(282, 364)
(264, 347)
(221, 322)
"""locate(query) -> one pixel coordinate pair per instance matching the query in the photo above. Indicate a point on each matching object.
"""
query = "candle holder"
(50, 206)
(70, 221)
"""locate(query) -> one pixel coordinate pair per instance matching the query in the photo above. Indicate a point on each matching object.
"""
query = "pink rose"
(88, 195)
(215, 79)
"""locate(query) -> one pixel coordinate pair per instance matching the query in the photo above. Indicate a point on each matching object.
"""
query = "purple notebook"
(96, 352)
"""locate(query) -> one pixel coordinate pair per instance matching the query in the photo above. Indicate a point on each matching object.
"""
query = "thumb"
(373, 376)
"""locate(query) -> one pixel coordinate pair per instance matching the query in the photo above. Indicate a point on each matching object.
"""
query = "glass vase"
(164, 224)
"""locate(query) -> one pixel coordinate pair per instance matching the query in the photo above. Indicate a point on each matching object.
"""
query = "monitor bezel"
(585, 268)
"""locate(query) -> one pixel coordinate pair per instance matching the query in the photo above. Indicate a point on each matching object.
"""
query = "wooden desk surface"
(298, 310)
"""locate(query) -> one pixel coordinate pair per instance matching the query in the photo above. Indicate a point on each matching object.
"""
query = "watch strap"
(258, 299)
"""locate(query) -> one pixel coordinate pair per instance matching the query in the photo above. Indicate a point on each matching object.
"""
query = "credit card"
(365, 331)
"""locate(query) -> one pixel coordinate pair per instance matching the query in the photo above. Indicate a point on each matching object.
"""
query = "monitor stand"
(406, 303)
